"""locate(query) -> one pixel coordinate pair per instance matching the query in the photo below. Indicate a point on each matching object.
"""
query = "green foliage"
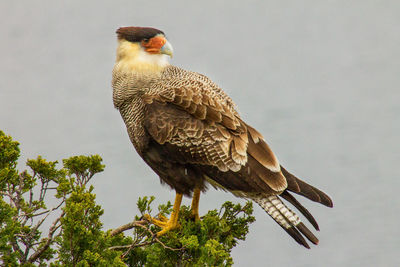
(207, 242)
(75, 235)
(9, 153)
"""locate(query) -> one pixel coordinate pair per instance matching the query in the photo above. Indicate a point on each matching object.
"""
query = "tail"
(287, 219)
(300, 187)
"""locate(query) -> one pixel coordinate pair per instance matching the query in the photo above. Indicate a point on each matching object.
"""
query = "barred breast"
(128, 88)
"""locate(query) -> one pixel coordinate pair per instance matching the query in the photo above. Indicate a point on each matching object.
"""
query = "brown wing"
(194, 124)
(199, 126)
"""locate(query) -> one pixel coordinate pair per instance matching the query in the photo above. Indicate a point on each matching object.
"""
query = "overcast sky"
(319, 79)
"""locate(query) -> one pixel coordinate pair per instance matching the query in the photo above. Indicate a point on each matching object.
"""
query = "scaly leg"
(172, 223)
(195, 204)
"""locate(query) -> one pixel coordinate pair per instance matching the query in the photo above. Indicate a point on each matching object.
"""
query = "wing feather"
(194, 117)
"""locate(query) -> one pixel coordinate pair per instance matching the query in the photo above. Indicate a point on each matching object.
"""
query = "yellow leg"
(195, 204)
(172, 223)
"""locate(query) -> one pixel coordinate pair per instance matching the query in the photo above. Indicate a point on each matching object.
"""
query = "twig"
(239, 211)
(141, 224)
(30, 197)
(119, 247)
(46, 211)
(159, 241)
(39, 223)
(167, 247)
(50, 238)
(15, 246)
(128, 226)
(136, 245)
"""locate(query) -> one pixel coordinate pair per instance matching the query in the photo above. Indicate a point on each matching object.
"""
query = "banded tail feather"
(290, 198)
(287, 219)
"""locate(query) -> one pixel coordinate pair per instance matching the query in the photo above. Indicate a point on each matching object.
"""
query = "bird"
(188, 130)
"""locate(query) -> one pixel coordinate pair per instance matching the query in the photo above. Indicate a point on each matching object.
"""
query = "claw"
(162, 218)
(148, 217)
(165, 223)
(170, 225)
(159, 223)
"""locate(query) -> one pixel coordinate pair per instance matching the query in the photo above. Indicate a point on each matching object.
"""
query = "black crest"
(137, 34)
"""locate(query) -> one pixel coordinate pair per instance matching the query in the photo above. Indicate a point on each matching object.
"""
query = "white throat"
(160, 60)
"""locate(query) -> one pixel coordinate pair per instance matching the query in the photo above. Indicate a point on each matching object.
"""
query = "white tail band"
(278, 211)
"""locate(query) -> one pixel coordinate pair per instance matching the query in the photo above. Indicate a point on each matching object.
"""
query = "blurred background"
(319, 79)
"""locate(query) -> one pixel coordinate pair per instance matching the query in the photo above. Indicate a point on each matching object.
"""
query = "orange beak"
(158, 45)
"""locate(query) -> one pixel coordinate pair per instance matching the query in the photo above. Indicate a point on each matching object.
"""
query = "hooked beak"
(167, 49)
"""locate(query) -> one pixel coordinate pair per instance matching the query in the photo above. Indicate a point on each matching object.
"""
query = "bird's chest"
(132, 113)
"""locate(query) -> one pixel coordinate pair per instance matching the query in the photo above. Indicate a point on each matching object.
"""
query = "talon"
(170, 225)
(148, 217)
(165, 223)
(162, 222)
(159, 223)
(162, 218)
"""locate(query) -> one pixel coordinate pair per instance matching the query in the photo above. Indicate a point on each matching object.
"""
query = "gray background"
(320, 80)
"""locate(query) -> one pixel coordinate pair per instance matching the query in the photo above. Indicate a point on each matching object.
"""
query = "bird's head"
(143, 48)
